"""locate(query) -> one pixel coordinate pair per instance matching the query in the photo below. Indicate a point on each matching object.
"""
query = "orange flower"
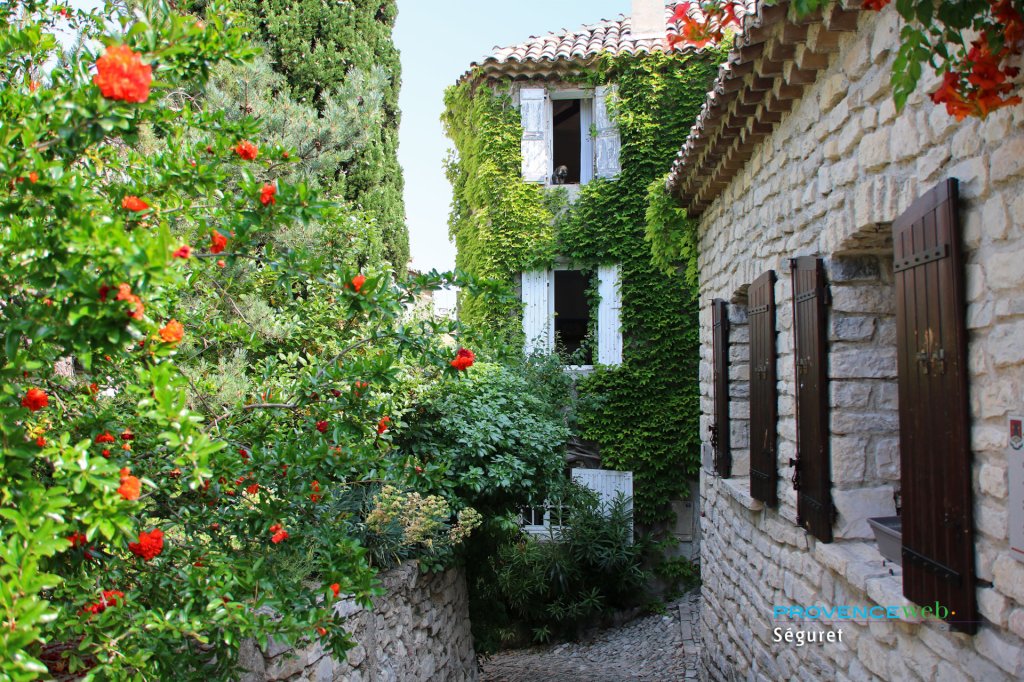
(121, 75)
(357, 282)
(124, 293)
(247, 150)
(134, 204)
(35, 399)
(463, 359)
(336, 589)
(183, 252)
(279, 533)
(33, 177)
(149, 545)
(131, 487)
(104, 437)
(383, 425)
(217, 242)
(267, 194)
(172, 332)
(221, 263)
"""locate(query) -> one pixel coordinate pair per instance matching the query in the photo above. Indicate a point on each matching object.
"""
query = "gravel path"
(654, 648)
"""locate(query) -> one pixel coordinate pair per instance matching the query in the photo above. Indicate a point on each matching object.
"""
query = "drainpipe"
(648, 19)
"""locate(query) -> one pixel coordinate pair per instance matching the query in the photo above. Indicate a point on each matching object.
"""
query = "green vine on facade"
(644, 413)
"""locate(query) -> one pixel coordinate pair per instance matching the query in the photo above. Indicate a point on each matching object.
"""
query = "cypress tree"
(315, 45)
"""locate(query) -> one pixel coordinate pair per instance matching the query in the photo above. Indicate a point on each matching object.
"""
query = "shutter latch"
(795, 463)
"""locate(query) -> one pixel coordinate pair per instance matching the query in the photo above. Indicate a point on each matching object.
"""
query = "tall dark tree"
(316, 45)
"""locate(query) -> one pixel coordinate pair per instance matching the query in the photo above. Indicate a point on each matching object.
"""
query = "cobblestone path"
(653, 648)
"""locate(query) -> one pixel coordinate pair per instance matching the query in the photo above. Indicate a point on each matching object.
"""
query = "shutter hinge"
(826, 297)
(795, 463)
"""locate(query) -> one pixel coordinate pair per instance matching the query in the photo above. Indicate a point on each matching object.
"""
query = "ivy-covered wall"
(644, 413)
(315, 45)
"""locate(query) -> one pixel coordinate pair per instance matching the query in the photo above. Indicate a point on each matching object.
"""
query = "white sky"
(438, 41)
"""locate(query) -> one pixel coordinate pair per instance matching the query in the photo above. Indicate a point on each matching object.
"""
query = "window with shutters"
(935, 456)
(569, 136)
(812, 468)
(558, 315)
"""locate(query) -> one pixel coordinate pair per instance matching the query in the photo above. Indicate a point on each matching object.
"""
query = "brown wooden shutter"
(720, 440)
(763, 389)
(935, 456)
(812, 477)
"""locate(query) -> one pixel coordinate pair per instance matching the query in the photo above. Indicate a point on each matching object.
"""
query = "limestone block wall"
(419, 630)
(836, 171)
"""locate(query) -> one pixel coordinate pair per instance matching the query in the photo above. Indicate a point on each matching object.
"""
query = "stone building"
(862, 321)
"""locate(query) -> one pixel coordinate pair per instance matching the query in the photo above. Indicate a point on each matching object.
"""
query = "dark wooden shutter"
(935, 456)
(763, 389)
(720, 350)
(812, 477)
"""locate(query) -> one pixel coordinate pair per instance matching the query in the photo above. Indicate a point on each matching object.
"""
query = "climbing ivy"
(644, 414)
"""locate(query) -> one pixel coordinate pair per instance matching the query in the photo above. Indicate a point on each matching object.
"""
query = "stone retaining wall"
(419, 630)
(829, 180)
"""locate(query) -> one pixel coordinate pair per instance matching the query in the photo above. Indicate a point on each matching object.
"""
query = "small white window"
(557, 314)
(568, 136)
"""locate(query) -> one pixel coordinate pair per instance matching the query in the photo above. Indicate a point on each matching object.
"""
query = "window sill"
(578, 370)
(739, 489)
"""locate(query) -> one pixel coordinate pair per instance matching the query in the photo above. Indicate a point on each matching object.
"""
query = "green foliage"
(587, 569)
(493, 441)
(501, 225)
(673, 238)
(257, 438)
(316, 45)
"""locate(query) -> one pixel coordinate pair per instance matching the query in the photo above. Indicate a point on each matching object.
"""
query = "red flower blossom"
(247, 150)
(321, 630)
(124, 293)
(149, 545)
(875, 5)
(33, 177)
(104, 437)
(244, 453)
(41, 442)
(77, 539)
(321, 426)
(134, 204)
(316, 489)
(463, 359)
(358, 281)
(105, 453)
(127, 435)
(267, 194)
(253, 489)
(131, 487)
(121, 75)
(103, 291)
(94, 388)
(184, 251)
(110, 598)
(221, 263)
(172, 332)
(279, 533)
(383, 425)
(35, 399)
(217, 242)
(336, 589)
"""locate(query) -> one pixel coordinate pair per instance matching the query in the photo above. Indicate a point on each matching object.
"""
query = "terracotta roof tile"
(567, 51)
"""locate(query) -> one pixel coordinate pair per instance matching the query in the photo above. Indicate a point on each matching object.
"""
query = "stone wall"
(838, 168)
(419, 630)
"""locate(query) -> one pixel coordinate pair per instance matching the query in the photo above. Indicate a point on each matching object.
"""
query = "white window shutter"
(607, 484)
(609, 331)
(586, 141)
(536, 311)
(606, 146)
(536, 144)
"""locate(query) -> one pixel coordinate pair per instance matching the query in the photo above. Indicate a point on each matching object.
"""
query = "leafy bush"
(193, 395)
(588, 568)
(494, 440)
